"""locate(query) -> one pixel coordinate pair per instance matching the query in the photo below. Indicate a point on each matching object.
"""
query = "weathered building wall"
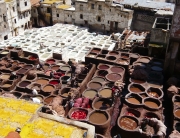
(142, 22)
(4, 27)
(158, 36)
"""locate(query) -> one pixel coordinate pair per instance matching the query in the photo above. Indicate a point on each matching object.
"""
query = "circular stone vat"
(95, 50)
(103, 67)
(102, 104)
(133, 55)
(48, 88)
(65, 79)
(117, 69)
(132, 112)
(17, 94)
(28, 66)
(65, 68)
(90, 93)
(123, 61)
(49, 99)
(97, 117)
(102, 73)
(55, 67)
(101, 57)
(124, 55)
(105, 93)
(4, 52)
(78, 114)
(54, 82)
(5, 76)
(26, 97)
(152, 103)
(144, 59)
(129, 123)
(113, 77)
(94, 85)
(137, 81)
(113, 53)
(112, 58)
(92, 55)
(151, 115)
(104, 51)
(36, 86)
(133, 99)
(46, 66)
(155, 92)
(177, 113)
(177, 127)
(109, 85)
(24, 83)
(98, 79)
(51, 61)
(136, 88)
(42, 81)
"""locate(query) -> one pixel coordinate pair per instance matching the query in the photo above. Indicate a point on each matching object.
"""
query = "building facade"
(4, 26)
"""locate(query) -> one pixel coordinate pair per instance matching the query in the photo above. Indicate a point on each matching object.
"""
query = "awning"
(156, 45)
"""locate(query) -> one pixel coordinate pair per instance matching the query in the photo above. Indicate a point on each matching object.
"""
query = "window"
(22, 26)
(81, 7)
(15, 20)
(110, 10)
(99, 19)
(92, 6)
(4, 26)
(13, 9)
(17, 4)
(81, 16)
(100, 7)
(116, 25)
(108, 22)
(48, 10)
(25, 3)
(57, 15)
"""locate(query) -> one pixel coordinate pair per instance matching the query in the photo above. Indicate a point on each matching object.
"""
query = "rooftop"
(147, 4)
(63, 6)
(50, 1)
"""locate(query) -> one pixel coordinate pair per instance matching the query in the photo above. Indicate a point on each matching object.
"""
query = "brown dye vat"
(17, 94)
(111, 58)
(138, 81)
(151, 104)
(90, 94)
(64, 94)
(24, 83)
(136, 88)
(22, 71)
(123, 62)
(153, 94)
(98, 79)
(105, 93)
(95, 85)
(42, 81)
(55, 68)
(95, 51)
(48, 88)
(177, 113)
(113, 53)
(98, 118)
(49, 99)
(113, 77)
(6, 85)
(4, 76)
(102, 73)
(128, 123)
(103, 67)
(28, 66)
(102, 104)
(65, 68)
(117, 69)
(133, 100)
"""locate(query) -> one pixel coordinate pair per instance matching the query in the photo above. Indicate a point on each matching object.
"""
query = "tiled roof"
(34, 2)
